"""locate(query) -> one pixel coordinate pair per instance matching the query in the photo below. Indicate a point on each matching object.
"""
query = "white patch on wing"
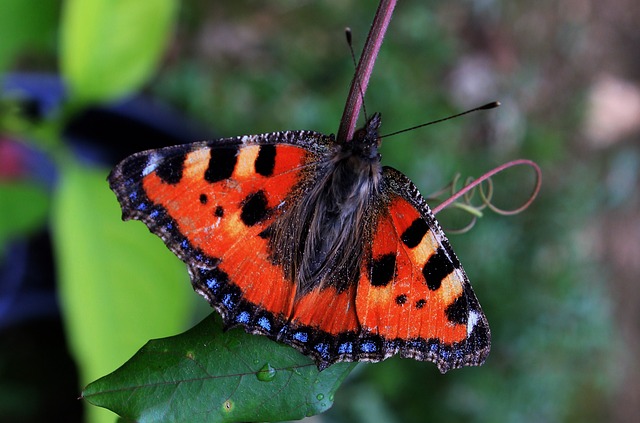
(472, 320)
(152, 164)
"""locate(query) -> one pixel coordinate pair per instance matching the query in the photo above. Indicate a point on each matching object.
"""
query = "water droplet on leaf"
(320, 397)
(266, 373)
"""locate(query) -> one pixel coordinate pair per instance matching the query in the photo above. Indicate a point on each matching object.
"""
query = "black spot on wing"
(266, 161)
(219, 211)
(383, 269)
(170, 169)
(412, 236)
(267, 233)
(203, 199)
(254, 209)
(438, 267)
(132, 167)
(480, 337)
(401, 299)
(222, 162)
(458, 311)
(420, 303)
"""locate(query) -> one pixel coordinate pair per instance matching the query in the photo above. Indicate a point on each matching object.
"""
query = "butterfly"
(311, 242)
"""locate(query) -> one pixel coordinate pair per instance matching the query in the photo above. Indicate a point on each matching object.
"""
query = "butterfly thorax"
(318, 241)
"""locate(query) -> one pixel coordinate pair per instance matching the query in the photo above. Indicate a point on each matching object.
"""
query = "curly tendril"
(468, 191)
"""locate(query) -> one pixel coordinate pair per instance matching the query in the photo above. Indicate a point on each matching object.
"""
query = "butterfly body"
(319, 240)
(311, 242)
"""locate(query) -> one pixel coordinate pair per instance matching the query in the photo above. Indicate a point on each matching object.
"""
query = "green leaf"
(206, 374)
(23, 208)
(119, 285)
(111, 47)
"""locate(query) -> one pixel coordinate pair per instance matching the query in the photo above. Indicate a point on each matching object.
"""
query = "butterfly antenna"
(487, 106)
(347, 33)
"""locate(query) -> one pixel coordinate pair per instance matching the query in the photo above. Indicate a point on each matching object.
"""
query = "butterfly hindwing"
(413, 291)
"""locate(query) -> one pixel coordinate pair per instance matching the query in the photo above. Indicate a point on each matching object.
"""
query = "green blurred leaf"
(111, 47)
(23, 208)
(206, 374)
(119, 285)
(25, 25)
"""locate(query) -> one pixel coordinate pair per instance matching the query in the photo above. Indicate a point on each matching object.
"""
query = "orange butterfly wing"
(412, 298)
(210, 203)
(413, 292)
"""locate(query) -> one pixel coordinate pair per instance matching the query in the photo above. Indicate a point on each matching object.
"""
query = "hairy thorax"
(328, 225)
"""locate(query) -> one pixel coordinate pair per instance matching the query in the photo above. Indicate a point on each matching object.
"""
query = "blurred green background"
(558, 282)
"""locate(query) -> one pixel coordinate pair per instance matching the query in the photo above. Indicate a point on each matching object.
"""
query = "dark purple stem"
(363, 71)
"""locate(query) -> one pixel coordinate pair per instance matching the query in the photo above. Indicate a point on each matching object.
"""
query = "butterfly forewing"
(211, 203)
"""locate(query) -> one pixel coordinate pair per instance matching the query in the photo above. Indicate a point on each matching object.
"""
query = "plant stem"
(362, 75)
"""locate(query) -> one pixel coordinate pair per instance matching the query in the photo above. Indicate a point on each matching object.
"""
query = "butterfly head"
(366, 139)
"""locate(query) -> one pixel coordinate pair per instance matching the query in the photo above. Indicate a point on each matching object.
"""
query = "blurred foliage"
(114, 281)
(104, 269)
(28, 28)
(546, 285)
(24, 206)
(109, 48)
